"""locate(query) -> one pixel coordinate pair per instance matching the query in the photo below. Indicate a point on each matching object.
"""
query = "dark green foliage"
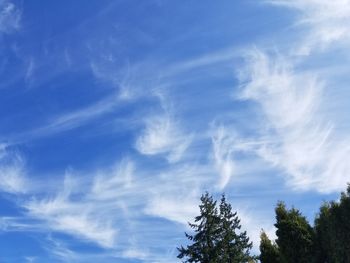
(204, 241)
(217, 238)
(327, 242)
(324, 240)
(233, 246)
(332, 227)
(269, 251)
(295, 241)
(295, 236)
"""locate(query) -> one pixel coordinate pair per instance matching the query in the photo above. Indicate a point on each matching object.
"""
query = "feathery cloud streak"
(327, 22)
(294, 134)
(10, 17)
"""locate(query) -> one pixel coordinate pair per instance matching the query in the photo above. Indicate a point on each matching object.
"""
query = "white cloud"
(79, 219)
(71, 120)
(223, 150)
(136, 254)
(60, 250)
(76, 215)
(293, 134)
(12, 174)
(206, 60)
(12, 180)
(174, 193)
(328, 21)
(116, 204)
(30, 259)
(81, 116)
(8, 224)
(30, 69)
(162, 135)
(91, 208)
(114, 185)
(180, 209)
(10, 17)
(129, 82)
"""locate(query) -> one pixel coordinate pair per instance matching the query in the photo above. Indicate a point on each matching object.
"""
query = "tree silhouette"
(217, 236)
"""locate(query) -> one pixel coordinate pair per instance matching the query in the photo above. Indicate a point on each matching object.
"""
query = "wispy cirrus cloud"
(292, 131)
(108, 208)
(77, 118)
(86, 214)
(10, 17)
(162, 135)
(294, 135)
(68, 121)
(326, 22)
(75, 218)
(12, 172)
(110, 186)
(178, 209)
(223, 150)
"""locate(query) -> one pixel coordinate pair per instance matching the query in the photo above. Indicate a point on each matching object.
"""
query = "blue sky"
(115, 116)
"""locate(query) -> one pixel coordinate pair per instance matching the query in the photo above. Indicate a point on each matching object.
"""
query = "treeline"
(328, 241)
(218, 238)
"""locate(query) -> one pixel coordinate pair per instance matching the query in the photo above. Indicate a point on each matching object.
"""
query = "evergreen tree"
(327, 242)
(295, 236)
(206, 228)
(332, 227)
(269, 252)
(233, 246)
(217, 238)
